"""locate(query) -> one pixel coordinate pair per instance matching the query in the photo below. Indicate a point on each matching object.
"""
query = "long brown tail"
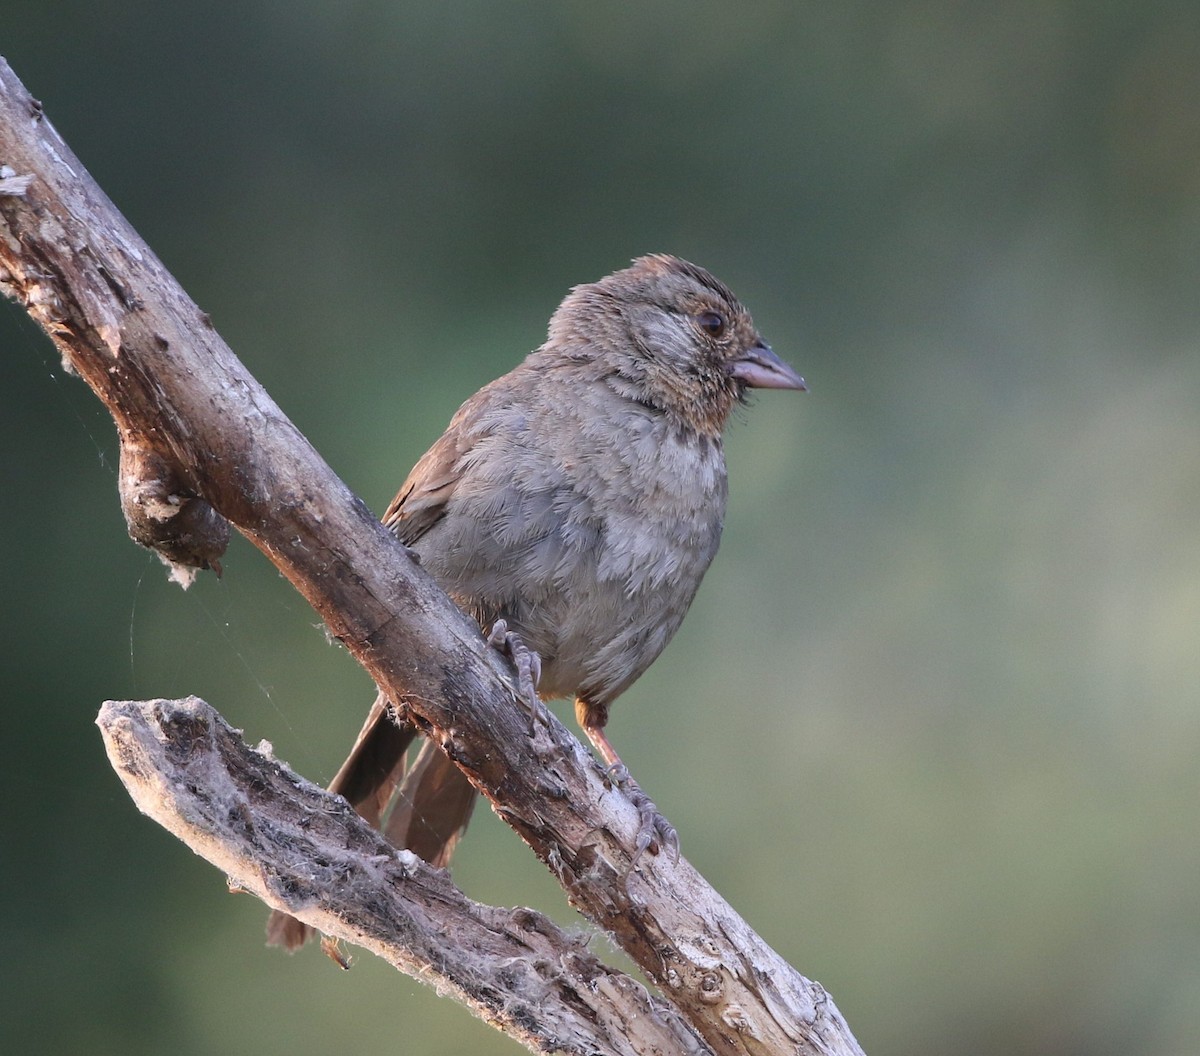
(431, 811)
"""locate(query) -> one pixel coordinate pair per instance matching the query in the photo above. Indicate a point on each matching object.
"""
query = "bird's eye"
(711, 323)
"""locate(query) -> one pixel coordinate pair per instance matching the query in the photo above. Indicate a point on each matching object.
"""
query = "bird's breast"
(653, 525)
(591, 542)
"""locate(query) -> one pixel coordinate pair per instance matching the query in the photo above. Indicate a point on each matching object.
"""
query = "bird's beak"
(759, 368)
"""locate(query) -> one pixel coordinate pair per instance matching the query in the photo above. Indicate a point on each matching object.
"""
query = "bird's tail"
(433, 800)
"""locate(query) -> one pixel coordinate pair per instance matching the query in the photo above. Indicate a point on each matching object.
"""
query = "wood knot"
(711, 988)
(163, 514)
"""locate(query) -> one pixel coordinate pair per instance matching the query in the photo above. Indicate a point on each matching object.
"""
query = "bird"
(571, 507)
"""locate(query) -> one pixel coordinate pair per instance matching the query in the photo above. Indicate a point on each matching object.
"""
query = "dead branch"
(301, 849)
(197, 432)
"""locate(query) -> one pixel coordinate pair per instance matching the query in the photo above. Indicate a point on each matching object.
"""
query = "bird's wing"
(421, 501)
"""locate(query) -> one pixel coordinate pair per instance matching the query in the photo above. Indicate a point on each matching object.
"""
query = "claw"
(498, 635)
(618, 774)
(534, 673)
(527, 663)
(655, 833)
(641, 845)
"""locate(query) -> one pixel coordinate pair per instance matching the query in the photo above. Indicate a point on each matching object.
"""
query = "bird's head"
(668, 334)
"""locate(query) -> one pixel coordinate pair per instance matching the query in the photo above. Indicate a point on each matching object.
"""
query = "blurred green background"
(933, 724)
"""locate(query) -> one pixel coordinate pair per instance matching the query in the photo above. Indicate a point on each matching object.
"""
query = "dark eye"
(711, 323)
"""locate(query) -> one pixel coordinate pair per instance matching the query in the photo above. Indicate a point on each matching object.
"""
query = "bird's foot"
(655, 833)
(527, 663)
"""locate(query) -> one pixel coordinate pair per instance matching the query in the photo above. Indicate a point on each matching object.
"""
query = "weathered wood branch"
(201, 438)
(301, 849)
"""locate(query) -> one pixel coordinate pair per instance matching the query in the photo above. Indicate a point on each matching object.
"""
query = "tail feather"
(375, 765)
(432, 807)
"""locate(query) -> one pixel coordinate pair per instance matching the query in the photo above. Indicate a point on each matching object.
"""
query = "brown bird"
(572, 508)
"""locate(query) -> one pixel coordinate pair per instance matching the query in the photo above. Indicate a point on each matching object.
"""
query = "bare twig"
(218, 440)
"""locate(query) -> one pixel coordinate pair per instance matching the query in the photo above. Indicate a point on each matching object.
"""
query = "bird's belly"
(597, 633)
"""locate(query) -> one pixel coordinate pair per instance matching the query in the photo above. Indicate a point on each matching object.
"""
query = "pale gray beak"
(759, 368)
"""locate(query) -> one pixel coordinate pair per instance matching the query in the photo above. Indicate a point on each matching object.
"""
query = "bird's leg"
(527, 663)
(654, 831)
